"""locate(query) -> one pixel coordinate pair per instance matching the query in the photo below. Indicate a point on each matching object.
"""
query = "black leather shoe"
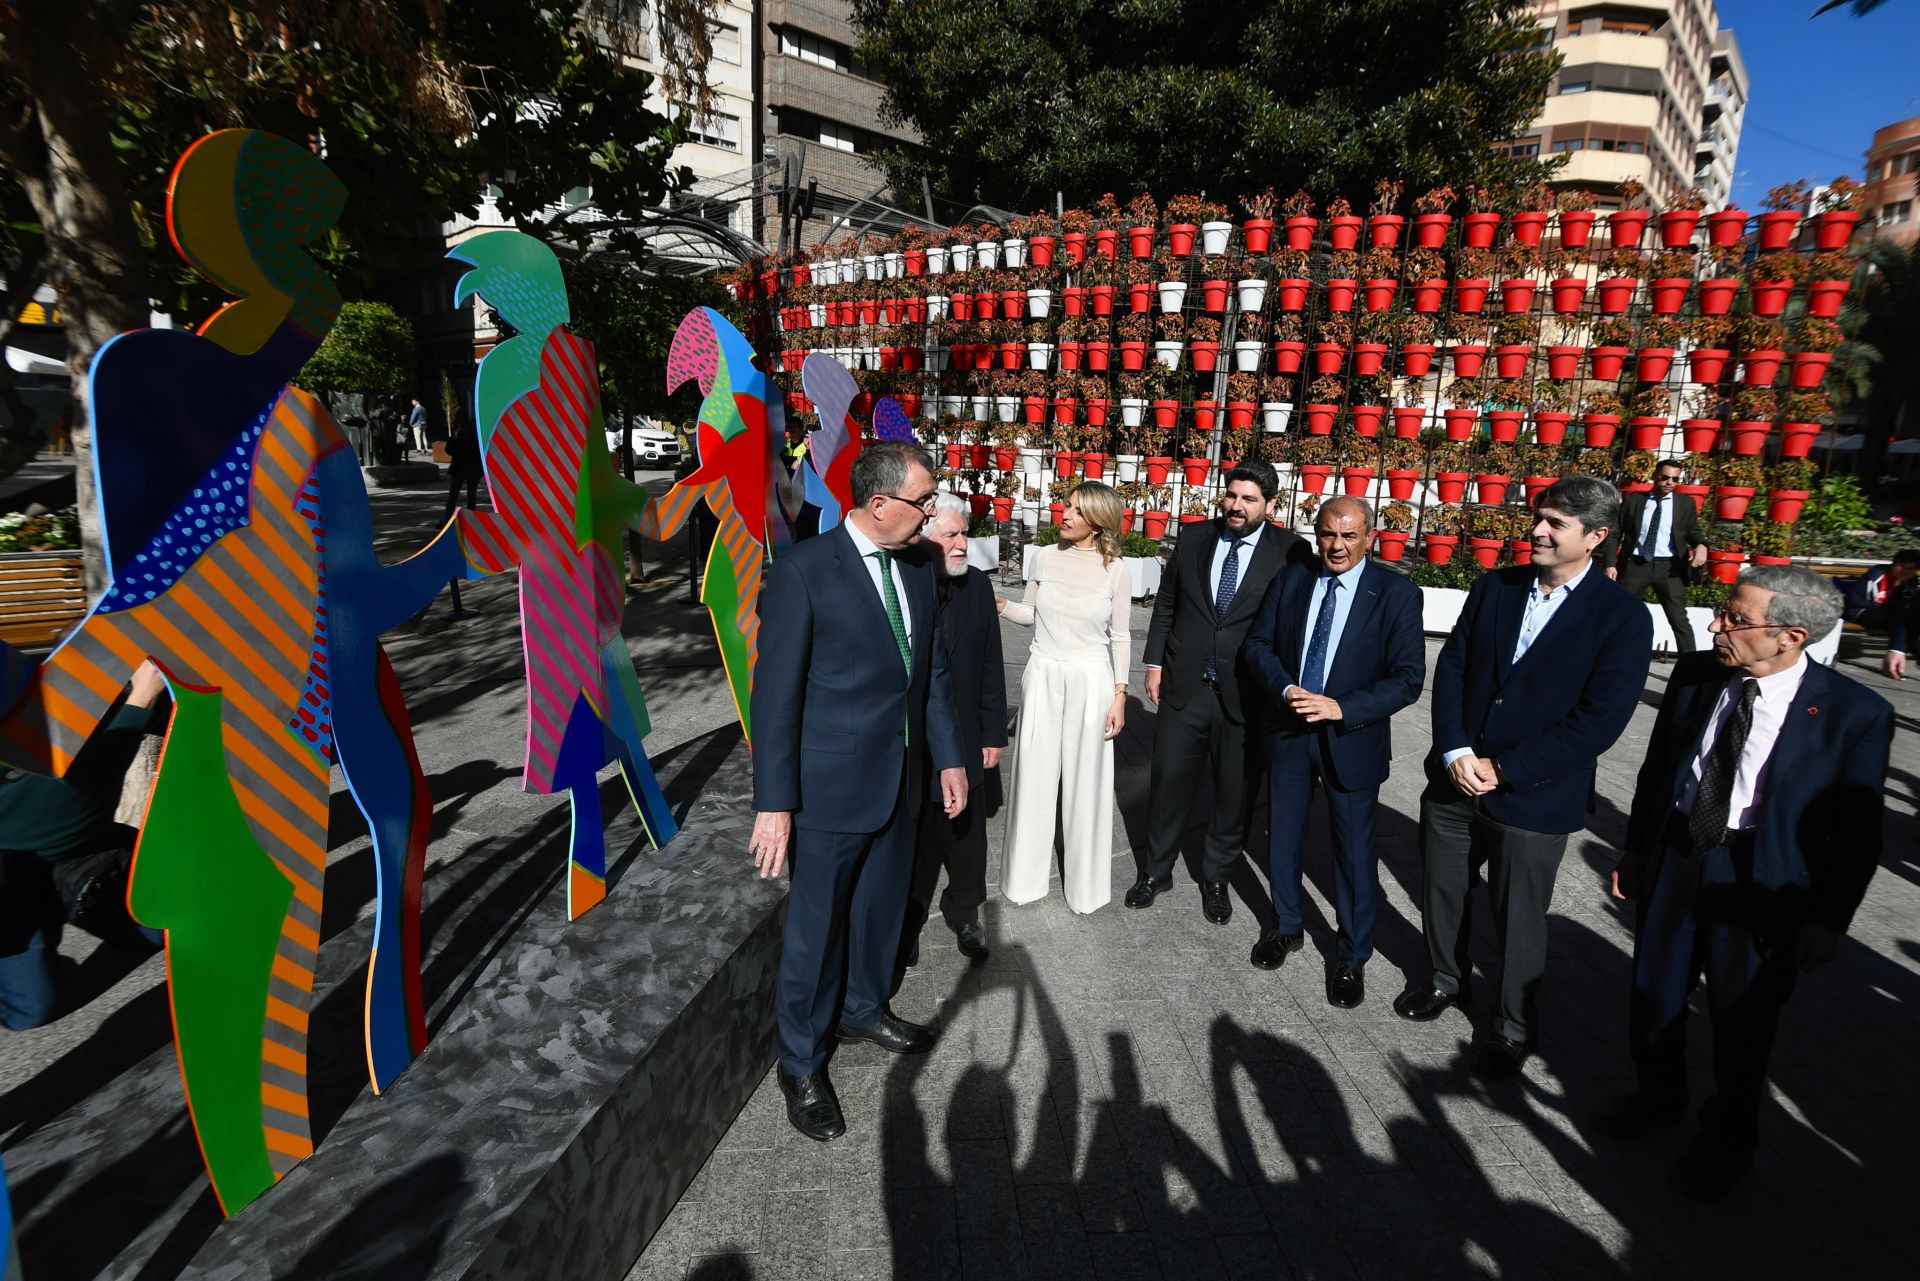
(1148, 888)
(913, 954)
(1500, 1056)
(892, 1034)
(1425, 1003)
(1628, 1116)
(1708, 1169)
(811, 1106)
(1272, 949)
(1345, 987)
(1216, 902)
(973, 943)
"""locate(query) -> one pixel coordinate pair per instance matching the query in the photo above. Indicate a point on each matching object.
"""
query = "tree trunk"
(63, 155)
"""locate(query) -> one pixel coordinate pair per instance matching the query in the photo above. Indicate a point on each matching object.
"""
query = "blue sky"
(1819, 88)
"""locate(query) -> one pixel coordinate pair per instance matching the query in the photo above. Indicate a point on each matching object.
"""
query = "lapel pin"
(1813, 711)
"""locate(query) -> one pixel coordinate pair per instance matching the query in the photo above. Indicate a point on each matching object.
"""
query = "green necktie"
(895, 620)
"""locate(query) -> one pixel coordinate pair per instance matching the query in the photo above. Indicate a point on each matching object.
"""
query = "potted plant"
(1473, 276)
(1838, 212)
(1143, 215)
(1783, 206)
(1483, 217)
(1432, 216)
(1449, 461)
(1738, 476)
(1440, 526)
(1815, 338)
(1395, 527)
(1770, 280)
(1256, 227)
(1383, 220)
(1762, 342)
(1600, 418)
(1276, 401)
(1298, 221)
(1801, 413)
(1343, 229)
(1753, 410)
(1709, 335)
(1313, 459)
(1496, 468)
(1203, 343)
(1533, 205)
(1576, 219)
(1787, 488)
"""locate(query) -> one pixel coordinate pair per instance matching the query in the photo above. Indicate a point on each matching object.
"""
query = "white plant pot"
(936, 260)
(1168, 353)
(872, 266)
(930, 408)
(1131, 410)
(980, 407)
(849, 270)
(1126, 467)
(1275, 414)
(937, 360)
(1014, 252)
(896, 265)
(1172, 294)
(1246, 357)
(1253, 294)
(953, 406)
(987, 253)
(936, 306)
(1006, 408)
(1214, 237)
(961, 256)
(817, 311)
(871, 355)
(1039, 303)
(1039, 354)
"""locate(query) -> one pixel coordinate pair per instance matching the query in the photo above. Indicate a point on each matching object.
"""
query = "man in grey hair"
(1538, 678)
(1756, 826)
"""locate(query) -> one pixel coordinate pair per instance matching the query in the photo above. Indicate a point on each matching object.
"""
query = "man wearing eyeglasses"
(851, 692)
(1756, 826)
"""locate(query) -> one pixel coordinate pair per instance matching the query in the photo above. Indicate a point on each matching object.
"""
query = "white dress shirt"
(867, 547)
(1541, 607)
(1342, 607)
(1770, 709)
(1661, 511)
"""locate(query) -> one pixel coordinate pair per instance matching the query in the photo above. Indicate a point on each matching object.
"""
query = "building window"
(1523, 150)
(1576, 86)
(717, 130)
(809, 48)
(1634, 148)
(839, 137)
(1899, 211)
(1626, 27)
(726, 42)
(1569, 144)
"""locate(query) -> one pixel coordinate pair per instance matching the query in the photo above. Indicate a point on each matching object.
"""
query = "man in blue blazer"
(1540, 676)
(850, 685)
(1338, 650)
(1756, 826)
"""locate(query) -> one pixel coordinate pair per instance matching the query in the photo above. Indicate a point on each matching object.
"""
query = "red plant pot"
(1833, 228)
(977, 455)
(1724, 567)
(1747, 437)
(1600, 429)
(1400, 482)
(1377, 295)
(1003, 508)
(1055, 511)
(1469, 296)
(1451, 484)
(1067, 356)
(1156, 524)
(1192, 518)
(1769, 297)
(1516, 296)
(1287, 357)
(1105, 241)
(1205, 354)
(1707, 364)
(1093, 466)
(1063, 461)
(1140, 242)
(1097, 407)
(1492, 488)
(1700, 435)
(1529, 226)
(1667, 294)
(1256, 234)
(1327, 357)
(1196, 470)
(1355, 481)
(1796, 439)
(1568, 293)
(1476, 230)
(1407, 420)
(1715, 297)
(1809, 367)
(1074, 245)
(1430, 230)
(1005, 456)
(1607, 362)
(1626, 226)
(1459, 423)
(1133, 356)
(1298, 232)
(1784, 505)
(1504, 424)
(1039, 251)
(1653, 363)
(1730, 501)
(1615, 293)
(1340, 294)
(1320, 418)
(1291, 293)
(1240, 413)
(1486, 550)
(1180, 238)
(1368, 357)
(1531, 487)
(1140, 297)
(1550, 426)
(1510, 359)
(1099, 356)
(1012, 354)
(1393, 543)
(1383, 230)
(981, 504)
(1676, 227)
(1646, 433)
(1157, 465)
(1563, 362)
(1824, 298)
(1313, 476)
(956, 456)
(1428, 295)
(1213, 294)
(1440, 547)
(1034, 410)
(1726, 226)
(1065, 409)
(1343, 232)
(1760, 368)
(1467, 359)
(1417, 359)
(1365, 419)
(1576, 227)
(1100, 298)
(1165, 412)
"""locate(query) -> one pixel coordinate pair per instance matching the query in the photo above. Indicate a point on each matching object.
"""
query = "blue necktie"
(1314, 677)
(1223, 596)
(1650, 546)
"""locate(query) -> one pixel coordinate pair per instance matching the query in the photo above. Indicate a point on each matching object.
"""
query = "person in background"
(1658, 545)
(971, 635)
(1073, 704)
(417, 425)
(465, 467)
(63, 859)
(1887, 599)
(1757, 824)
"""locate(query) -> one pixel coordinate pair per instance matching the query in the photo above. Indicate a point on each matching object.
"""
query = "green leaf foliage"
(369, 352)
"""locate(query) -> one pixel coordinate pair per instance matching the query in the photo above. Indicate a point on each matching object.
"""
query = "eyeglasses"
(924, 504)
(1721, 617)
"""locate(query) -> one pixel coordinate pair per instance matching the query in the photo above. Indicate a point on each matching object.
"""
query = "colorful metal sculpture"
(827, 468)
(558, 512)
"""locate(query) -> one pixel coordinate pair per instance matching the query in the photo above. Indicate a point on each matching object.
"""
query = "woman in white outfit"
(1073, 702)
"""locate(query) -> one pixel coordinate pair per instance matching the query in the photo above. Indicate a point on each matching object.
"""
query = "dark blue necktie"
(1650, 546)
(1223, 595)
(1314, 677)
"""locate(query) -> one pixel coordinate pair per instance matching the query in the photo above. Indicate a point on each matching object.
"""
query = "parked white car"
(651, 448)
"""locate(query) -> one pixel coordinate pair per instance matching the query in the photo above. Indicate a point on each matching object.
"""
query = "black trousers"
(1693, 917)
(1189, 743)
(1668, 578)
(1521, 866)
(455, 482)
(960, 846)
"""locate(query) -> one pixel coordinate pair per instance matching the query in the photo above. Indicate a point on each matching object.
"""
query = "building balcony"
(824, 92)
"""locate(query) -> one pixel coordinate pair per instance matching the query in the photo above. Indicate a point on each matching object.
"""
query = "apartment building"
(1891, 202)
(1634, 98)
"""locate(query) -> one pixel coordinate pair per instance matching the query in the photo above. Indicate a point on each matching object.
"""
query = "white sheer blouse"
(1079, 608)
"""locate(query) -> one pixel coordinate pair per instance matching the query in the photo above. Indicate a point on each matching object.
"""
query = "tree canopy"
(368, 352)
(1017, 99)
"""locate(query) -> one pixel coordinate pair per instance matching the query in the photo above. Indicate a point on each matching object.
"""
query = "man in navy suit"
(1756, 826)
(1338, 649)
(850, 686)
(1540, 676)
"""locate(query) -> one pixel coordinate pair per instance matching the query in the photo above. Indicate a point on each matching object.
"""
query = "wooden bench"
(42, 595)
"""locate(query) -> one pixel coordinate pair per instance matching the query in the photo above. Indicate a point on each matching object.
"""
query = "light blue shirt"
(1541, 607)
(1248, 542)
(1342, 606)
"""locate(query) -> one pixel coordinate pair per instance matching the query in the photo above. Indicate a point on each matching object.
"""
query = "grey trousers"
(1521, 867)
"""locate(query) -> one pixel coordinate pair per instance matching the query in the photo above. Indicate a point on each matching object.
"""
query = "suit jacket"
(1624, 543)
(1377, 669)
(970, 630)
(1821, 805)
(1546, 719)
(833, 706)
(1184, 632)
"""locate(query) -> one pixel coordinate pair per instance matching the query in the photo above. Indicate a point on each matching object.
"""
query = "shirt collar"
(1247, 540)
(861, 543)
(1780, 687)
(1563, 590)
(1350, 579)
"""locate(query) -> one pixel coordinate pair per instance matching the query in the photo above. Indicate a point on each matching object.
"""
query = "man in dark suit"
(1656, 546)
(1220, 573)
(1539, 677)
(1756, 826)
(970, 630)
(850, 696)
(1338, 649)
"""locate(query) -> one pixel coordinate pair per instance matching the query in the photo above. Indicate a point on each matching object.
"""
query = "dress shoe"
(973, 943)
(1345, 987)
(1148, 888)
(1500, 1056)
(1216, 902)
(811, 1106)
(1708, 1169)
(1628, 1116)
(1425, 1003)
(1272, 948)
(892, 1034)
(913, 954)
